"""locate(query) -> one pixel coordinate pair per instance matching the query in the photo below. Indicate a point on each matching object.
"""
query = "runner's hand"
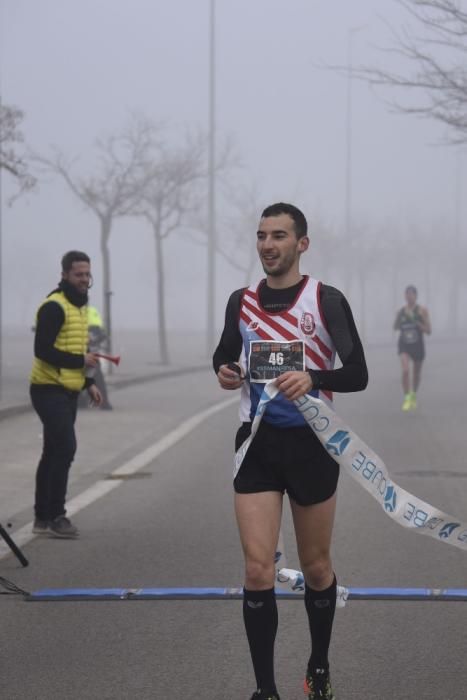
(230, 378)
(294, 384)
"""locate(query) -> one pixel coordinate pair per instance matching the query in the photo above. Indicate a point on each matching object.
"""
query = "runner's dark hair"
(298, 217)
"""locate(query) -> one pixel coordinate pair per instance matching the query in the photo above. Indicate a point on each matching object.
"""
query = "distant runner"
(412, 321)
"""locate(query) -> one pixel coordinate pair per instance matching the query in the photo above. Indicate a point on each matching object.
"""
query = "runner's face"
(411, 297)
(79, 276)
(277, 245)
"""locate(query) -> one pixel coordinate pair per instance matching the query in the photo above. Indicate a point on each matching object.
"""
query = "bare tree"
(436, 57)
(237, 242)
(112, 192)
(193, 169)
(172, 177)
(433, 46)
(12, 159)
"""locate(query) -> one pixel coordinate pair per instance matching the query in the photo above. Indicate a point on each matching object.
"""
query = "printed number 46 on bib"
(276, 358)
(269, 358)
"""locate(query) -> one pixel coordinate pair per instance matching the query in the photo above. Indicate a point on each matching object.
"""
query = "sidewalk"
(138, 351)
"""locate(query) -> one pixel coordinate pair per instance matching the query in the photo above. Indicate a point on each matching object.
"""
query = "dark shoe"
(40, 527)
(259, 695)
(317, 685)
(62, 527)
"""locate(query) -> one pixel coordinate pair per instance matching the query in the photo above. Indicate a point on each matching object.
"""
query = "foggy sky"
(79, 67)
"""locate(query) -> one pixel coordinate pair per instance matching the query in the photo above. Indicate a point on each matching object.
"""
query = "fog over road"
(172, 524)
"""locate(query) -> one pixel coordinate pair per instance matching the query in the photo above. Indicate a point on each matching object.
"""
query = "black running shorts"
(288, 460)
(415, 350)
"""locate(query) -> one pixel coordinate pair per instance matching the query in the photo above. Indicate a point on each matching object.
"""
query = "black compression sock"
(320, 607)
(260, 618)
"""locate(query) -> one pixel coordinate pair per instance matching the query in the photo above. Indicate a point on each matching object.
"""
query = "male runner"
(412, 321)
(287, 321)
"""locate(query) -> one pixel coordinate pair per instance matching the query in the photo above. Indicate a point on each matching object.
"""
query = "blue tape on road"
(407, 594)
(70, 594)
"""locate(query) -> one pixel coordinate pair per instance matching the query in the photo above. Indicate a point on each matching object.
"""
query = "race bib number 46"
(268, 359)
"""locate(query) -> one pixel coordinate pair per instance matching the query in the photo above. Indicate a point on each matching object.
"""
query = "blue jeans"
(56, 407)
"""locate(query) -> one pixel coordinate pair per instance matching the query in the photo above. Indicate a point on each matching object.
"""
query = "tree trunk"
(160, 291)
(106, 226)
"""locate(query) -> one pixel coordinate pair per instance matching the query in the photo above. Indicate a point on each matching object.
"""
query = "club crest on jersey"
(253, 326)
(307, 323)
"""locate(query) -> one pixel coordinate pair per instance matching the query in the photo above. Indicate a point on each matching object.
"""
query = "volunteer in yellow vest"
(58, 375)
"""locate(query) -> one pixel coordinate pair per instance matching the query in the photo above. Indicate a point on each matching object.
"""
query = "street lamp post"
(457, 234)
(1, 277)
(211, 272)
(348, 159)
(348, 167)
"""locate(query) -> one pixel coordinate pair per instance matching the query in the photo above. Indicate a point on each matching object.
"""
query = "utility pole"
(458, 239)
(348, 171)
(348, 159)
(1, 278)
(211, 272)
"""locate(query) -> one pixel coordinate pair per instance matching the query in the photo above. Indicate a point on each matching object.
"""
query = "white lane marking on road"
(102, 488)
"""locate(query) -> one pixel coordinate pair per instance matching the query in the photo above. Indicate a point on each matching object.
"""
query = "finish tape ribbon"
(367, 468)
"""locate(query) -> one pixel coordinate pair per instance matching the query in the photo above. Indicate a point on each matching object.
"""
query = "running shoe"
(407, 404)
(317, 685)
(40, 527)
(62, 527)
(413, 401)
(259, 695)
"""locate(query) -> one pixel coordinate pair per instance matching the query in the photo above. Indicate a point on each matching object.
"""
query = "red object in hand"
(111, 358)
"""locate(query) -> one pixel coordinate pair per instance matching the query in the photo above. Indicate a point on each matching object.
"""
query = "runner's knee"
(259, 575)
(317, 571)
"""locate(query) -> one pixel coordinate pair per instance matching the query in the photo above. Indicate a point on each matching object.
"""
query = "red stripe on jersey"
(251, 294)
(287, 335)
(316, 358)
(244, 317)
(319, 362)
(316, 339)
(265, 336)
(322, 346)
(271, 322)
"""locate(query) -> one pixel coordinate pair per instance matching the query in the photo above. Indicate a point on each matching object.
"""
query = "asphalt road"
(172, 524)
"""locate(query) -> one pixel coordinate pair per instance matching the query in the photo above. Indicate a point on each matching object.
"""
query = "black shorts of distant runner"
(414, 350)
(288, 460)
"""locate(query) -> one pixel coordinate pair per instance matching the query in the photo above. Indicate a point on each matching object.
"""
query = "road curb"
(20, 409)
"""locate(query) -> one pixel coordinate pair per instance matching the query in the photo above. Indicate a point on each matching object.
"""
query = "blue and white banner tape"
(367, 468)
(179, 593)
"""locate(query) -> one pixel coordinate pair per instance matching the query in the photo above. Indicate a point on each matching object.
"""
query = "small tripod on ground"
(16, 551)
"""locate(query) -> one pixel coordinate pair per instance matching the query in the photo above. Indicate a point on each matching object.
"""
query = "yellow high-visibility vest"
(73, 337)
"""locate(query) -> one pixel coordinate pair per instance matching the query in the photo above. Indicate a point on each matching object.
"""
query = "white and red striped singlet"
(302, 321)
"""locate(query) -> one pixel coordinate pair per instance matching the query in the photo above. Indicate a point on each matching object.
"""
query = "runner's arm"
(230, 344)
(397, 322)
(425, 325)
(353, 375)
